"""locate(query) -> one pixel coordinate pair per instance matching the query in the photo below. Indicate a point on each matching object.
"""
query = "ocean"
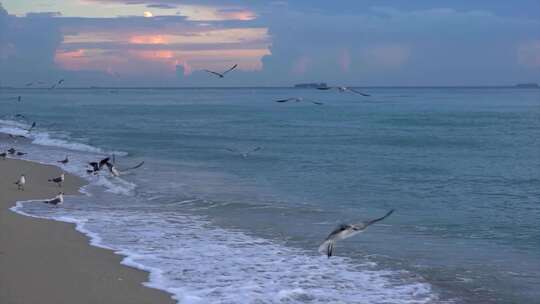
(460, 166)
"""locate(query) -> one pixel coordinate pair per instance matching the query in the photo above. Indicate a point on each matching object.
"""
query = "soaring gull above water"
(299, 99)
(115, 172)
(221, 75)
(346, 231)
(343, 90)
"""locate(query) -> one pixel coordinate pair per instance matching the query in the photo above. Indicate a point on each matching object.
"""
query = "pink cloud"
(344, 60)
(387, 56)
(301, 65)
(528, 54)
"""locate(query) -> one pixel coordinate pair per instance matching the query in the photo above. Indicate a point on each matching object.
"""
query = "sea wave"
(199, 263)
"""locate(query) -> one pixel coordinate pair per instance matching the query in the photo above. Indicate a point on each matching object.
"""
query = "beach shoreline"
(50, 262)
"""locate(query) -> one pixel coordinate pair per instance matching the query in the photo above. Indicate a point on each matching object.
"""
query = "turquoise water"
(460, 166)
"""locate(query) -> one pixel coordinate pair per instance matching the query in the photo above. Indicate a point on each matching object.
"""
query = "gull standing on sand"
(346, 231)
(57, 200)
(58, 180)
(343, 90)
(221, 75)
(21, 182)
(299, 99)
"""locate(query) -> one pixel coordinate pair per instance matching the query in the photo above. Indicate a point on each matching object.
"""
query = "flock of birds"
(341, 89)
(343, 231)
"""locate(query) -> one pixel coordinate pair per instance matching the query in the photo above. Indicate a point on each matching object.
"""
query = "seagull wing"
(316, 102)
(103, 162)
(32, 127)
(215, 73)
(358, 92)
(135, 167)
(324, 88)
(232, 68)
(256, 149)
(371, 222)
(284, 100)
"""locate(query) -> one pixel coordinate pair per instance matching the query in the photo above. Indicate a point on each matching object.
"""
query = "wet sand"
(49, 262)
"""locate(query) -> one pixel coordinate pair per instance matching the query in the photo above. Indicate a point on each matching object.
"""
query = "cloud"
(162, 6)
(529, 54)
(386, 56)
(276, 43)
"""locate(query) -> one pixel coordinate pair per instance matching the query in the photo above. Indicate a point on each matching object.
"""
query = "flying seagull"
(299, 99)
(346, 231)
(21, 182)
(343, 90)
(116, 172)
(96, 166)
(58, 200)
(221, 75)
(64, 161)
(57, 84)
(58, 180)
(32, 127)
(244, 154)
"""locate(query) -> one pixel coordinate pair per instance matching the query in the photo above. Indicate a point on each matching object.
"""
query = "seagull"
(58, 180)
(343, 90)
(117, 173)
(113, 170)
(221, 75)
(299, 99)
(344, 231)
(32, 127)
(96, 166)
(58, 200)
(57, 84)
(244, 154)
(19, 153)
(3, 155)
(20, 116)
(11, 151)
(64, 161)
(21, 182)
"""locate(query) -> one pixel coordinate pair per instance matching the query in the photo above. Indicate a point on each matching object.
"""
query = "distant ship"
(528, 85)
(312, 85)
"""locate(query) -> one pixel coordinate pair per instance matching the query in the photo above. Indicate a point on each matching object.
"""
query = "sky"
(274, 43)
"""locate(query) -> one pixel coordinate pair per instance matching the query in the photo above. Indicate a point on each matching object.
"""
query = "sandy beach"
(49, 262)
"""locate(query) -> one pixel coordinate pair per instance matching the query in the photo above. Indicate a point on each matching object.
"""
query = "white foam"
(44, 138)
(198, 263)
